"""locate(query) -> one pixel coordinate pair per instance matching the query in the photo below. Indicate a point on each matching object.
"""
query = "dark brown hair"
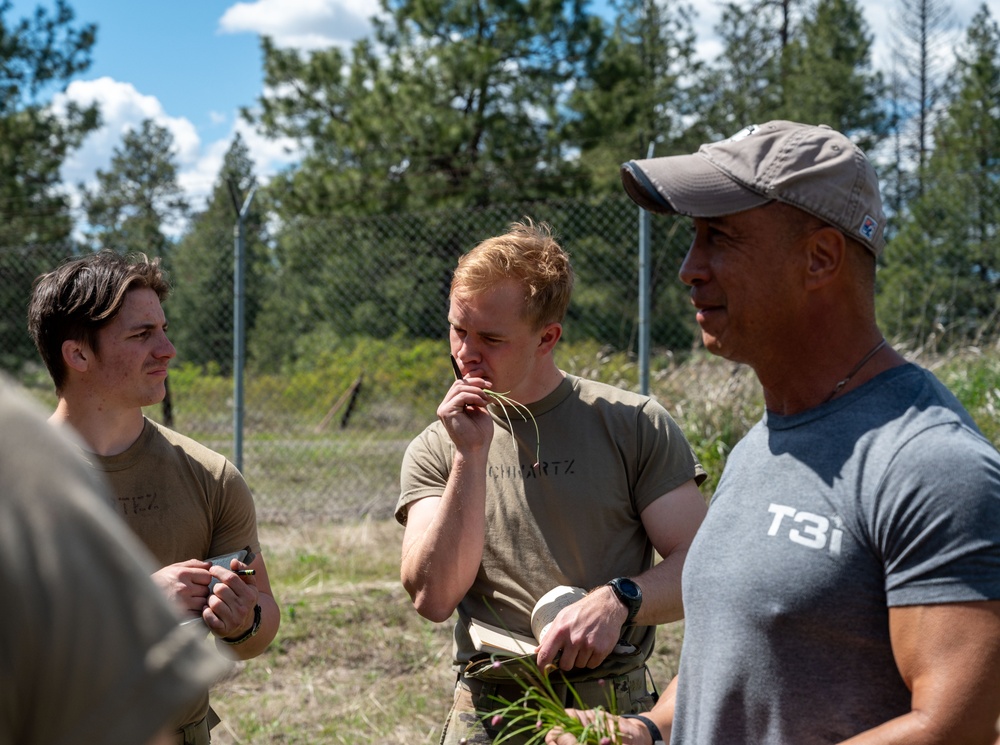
(83, 295)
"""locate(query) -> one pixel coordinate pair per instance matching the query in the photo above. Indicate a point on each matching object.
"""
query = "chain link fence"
(346, 335)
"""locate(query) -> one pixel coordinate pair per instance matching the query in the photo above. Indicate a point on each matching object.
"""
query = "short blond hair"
(528, 254)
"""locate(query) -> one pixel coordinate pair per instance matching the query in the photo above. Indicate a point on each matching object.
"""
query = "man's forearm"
(443, 543)
(916, 728)
(661, 591)
(254, 645)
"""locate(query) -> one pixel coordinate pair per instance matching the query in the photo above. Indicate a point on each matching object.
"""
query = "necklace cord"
(854, 372)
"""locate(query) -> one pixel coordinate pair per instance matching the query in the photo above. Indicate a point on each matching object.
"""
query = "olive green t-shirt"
(183, 500)
(606, 454)
(90, 649)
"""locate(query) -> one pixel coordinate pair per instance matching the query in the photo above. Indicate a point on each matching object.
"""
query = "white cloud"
(124, 108)
(706, 18)
(302, 24)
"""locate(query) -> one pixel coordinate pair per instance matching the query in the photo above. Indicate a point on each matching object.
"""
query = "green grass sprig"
(540, 708)
(503, 401)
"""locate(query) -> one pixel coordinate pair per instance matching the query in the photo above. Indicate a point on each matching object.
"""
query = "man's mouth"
(705, 310)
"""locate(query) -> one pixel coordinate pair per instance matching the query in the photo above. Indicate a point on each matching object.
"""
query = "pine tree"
(744, 85)
(830, 79)
(782, 61)
(636, 94)
(138, 200)
(455, 102)
(920, 56)
(201, 304)
(39, 55)
(948, 283)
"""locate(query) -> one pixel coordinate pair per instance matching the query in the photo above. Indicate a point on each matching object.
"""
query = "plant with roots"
(503, 401)
(540, 708)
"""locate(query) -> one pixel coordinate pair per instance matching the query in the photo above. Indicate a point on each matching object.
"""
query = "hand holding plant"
(596, 718)
(541, 708)
(503, 401)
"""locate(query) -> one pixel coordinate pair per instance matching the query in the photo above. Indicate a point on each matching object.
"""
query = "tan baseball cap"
(814, 168)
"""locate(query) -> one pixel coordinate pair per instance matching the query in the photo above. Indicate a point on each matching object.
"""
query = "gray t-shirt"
(888, 496)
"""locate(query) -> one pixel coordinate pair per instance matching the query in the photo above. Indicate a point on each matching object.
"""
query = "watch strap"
(631, 605)
(654, 731)
(249, 633)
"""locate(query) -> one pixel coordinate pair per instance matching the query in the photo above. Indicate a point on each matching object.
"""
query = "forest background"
(454, 118)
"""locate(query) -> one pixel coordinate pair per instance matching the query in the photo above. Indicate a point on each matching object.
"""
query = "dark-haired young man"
(100, 328)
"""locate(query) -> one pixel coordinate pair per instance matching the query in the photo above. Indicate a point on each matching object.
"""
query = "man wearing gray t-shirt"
(845, 584)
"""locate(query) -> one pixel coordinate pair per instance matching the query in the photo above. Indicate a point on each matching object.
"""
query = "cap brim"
(686, 185)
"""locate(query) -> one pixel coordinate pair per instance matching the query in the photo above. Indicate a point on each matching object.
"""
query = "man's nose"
(166, 348)
(693, 270)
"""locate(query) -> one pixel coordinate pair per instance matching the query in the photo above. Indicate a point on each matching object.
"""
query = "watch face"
(628, 588)
(629, 594)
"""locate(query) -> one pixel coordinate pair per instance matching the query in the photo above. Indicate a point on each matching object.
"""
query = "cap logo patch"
(745, 132)
(868, 227)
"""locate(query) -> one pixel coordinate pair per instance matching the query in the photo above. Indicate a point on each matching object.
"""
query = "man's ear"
(827, 247)
(76, 355)
(551, 333)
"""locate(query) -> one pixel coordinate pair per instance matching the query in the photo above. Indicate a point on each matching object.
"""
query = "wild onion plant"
(540, 708)
(542, 705)
(503, 401)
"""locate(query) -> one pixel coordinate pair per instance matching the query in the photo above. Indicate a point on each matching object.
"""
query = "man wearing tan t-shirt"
(101, 331)
(497, 514)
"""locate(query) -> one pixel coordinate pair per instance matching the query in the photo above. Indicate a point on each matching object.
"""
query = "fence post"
(644, 300)
(239, 330)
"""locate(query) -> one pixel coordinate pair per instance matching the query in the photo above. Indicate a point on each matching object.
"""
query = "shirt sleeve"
(425, 468)
(940, 535)
(235, 523)
(666, 460)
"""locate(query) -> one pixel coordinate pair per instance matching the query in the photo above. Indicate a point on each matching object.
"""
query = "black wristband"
(252, 631)
(654, 731)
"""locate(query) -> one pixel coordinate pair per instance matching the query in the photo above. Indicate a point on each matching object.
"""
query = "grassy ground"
(352, 662)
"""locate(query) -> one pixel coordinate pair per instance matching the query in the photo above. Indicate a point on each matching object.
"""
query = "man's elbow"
(435, 613)
(428, 605)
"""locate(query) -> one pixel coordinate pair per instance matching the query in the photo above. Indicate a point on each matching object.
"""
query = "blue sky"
(177, 52)
(191, 65)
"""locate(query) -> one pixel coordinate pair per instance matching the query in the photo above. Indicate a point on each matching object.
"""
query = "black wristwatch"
(249, 633)
(654, 731)
(629, 594)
